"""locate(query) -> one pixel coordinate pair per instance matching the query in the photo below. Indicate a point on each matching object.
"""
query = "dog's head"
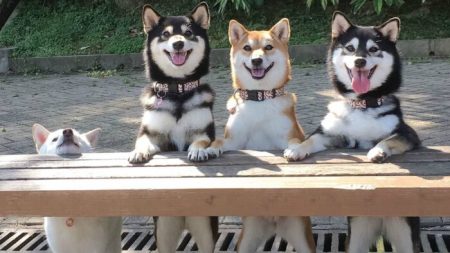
(177, 47)
(64, 141)
(259, 59)
(363, 61)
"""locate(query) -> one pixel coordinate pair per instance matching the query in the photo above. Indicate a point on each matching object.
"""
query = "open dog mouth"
(178, 58)
(360, 78)
(259, 72)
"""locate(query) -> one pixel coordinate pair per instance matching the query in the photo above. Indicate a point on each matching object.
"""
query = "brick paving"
(112, 103)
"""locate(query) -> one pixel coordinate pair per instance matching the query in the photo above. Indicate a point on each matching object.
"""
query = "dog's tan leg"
(197, 150)
(201, 230)
(299, 151)
(363, 232)
(145, 148)
(256, 230)
(395, 144)
(168, 231)
(298, 232)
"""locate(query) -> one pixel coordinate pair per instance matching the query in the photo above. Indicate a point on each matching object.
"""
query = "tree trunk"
(6, 8)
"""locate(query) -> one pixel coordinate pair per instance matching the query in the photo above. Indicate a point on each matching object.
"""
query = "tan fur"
(260, 37)
(201, 143)
(280, 129)
(309, 234)
(296, 134)
(217, 143)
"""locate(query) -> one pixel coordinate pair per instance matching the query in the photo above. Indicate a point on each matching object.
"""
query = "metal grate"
(141, 240)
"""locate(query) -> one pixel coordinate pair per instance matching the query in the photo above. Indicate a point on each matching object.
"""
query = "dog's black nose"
(67, 133)
(257, 61)
(360, 63)
(178, 45)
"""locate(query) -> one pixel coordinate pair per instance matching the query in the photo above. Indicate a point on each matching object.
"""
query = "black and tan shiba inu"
(262, 117)
(177, 108)
(364, 67)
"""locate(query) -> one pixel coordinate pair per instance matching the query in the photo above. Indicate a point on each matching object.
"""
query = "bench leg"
(363, 232)
(168, 232)
(255, 231)
(403, 233)
(297, 231)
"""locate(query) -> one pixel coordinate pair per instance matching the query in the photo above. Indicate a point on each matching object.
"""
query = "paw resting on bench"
(295, 152)
(143, 151)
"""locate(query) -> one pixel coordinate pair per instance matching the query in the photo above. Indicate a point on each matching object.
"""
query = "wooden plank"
(258, 170)
(243, 157)
(243, 196)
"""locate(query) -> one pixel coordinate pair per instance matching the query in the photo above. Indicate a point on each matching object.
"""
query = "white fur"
(366, 230)
(170, 229)
(166, 65)
(261, 126)
(267, 118)
(356, 124)
(384, 65)
(85, 235)
(271, 79)
(258, 229)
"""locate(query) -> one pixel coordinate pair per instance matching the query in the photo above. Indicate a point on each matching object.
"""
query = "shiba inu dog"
(364, 67)
(72, 234)
(262, 117)
(177, 108)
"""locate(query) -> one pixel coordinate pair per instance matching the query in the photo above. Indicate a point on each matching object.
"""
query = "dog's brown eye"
(54, 139)
(247, 48)
(166, 34)
(188, 33)
(268, 47)
(350, 48)
(373, 49)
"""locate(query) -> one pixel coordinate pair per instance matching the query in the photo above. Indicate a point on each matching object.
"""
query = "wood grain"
(338, 182)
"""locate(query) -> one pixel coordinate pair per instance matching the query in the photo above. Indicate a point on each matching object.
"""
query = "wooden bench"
(339, 182)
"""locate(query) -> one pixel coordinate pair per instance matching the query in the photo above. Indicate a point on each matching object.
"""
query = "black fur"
(153, 70)
(392, 83)
(177, 101)
(402, 132)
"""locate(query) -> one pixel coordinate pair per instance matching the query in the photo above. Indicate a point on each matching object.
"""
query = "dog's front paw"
(197, 154)
(377, 155)
(295, 152)
(139, 157)
(214, 152)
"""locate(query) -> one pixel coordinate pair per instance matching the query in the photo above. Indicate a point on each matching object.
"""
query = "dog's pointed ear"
(93, 136)
(200, 14)
(236, 32)
(282, 30)
(150, 18)
(339, 24)
(40, 134)
(390, 29)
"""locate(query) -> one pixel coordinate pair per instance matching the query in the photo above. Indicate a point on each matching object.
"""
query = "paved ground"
(112, 103)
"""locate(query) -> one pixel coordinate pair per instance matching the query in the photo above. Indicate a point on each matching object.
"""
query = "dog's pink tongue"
(178, 58)
(258, 72)
(360, 81)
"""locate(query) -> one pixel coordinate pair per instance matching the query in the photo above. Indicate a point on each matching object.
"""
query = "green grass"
(73, 28)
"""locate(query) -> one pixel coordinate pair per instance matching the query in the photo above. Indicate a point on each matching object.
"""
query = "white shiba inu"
(73, 234)
(262, 117)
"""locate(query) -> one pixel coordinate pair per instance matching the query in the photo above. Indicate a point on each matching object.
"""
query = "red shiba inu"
(262, 117)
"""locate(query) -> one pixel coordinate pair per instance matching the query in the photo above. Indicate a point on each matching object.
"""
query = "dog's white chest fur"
(260, 125)
(182, 131)
(360, 125)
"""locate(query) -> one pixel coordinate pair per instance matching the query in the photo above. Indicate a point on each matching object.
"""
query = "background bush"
(67, 27)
